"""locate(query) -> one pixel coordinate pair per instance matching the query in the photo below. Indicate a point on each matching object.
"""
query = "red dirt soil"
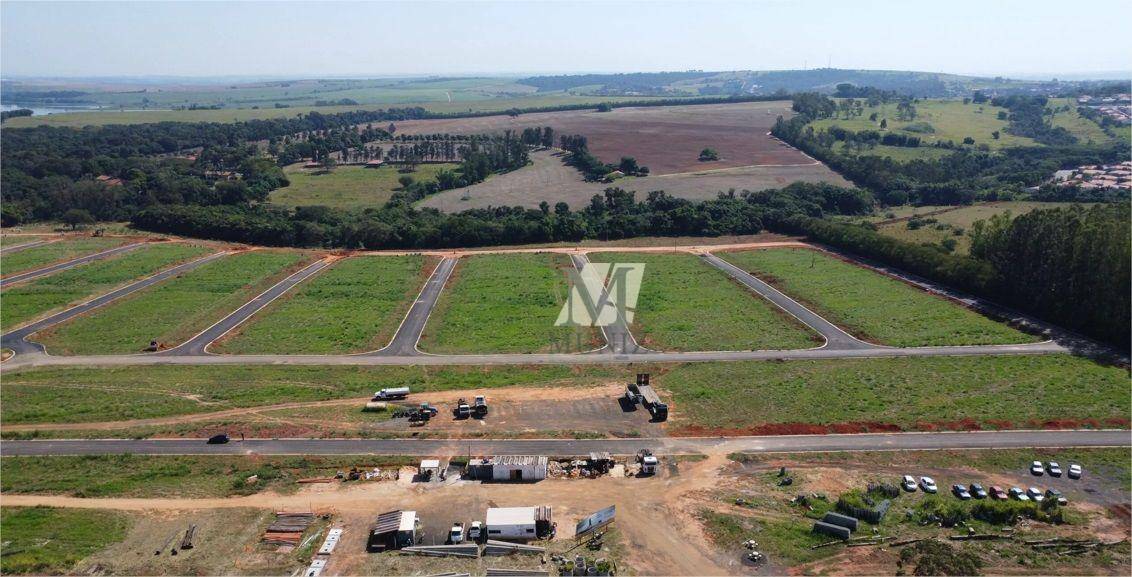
(667, 139)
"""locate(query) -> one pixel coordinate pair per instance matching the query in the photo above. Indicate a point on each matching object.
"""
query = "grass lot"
(951, 119)
(1081, 127)
(960, 219)
(28, 301)
(355, 305)
(686, 305)
(172, 476)
(505, 304)
(41, 256)
(908, 393)
(174, 310)
(897, 153)
(84, 395)
(348, 186)
(12, 240)
(870, 305)
(43, 540)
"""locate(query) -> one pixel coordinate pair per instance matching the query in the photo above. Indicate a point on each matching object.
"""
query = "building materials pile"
(493, 547)
(469, 550)
(288, 528)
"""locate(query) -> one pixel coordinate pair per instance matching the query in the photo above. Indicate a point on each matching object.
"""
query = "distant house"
(375, 163)
(109, 180)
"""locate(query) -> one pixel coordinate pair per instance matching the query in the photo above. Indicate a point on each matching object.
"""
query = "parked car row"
(1038, 469)
(976, 491)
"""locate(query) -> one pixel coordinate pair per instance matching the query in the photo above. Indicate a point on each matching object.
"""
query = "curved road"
(51, 269)
(565, 448)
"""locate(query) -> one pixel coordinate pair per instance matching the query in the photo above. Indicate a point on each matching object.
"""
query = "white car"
(928, 485)
(1036, 494)
(456, 534)
(1075, 471)
(909, 483)
(1054, 469)
(1037, 469)
(475, 531)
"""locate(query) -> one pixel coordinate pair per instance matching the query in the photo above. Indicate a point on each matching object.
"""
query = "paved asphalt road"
(404, 342)
(26, 245)
(618, 338)
(564, 448)
(34, 274)
(198, 344)
(835, 338)
(15, 340)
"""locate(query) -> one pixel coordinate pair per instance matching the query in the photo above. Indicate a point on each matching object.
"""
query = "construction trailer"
(509, 468)
(428, 469)
(393, 530)
(519, 523)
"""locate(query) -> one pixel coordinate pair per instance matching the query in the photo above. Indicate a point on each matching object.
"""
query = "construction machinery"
(462, 409)
(648, 462)
(479, 407)
(643, 393)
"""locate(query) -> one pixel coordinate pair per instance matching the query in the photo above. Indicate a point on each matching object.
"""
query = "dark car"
(961, 492)
(977, 491)
(218, 439)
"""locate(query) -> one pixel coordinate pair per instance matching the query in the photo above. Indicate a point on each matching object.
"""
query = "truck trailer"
(643, 393)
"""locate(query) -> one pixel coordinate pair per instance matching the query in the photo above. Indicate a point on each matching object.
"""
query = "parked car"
(961, 492)
(1036, 494)
(1037, 469)
(1019, 494)
(1055, 495)
(997, 493)
(927, 484)
(218, 439)
(456, 534)
(977, 491)
(475, 532)
(909, 483)
(1075, 471)
(1053, 469)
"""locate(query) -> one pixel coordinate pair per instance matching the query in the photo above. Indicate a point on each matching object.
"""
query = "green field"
(190, 477)
(41, 256)
(951, 120)
(174, 310)
(956, 222)
(28, 301)
(897, 153)
(1084, 129)
(909, 393)
(355, 305)
(686, 305)
(86, 395)
(753, 397)
(348, 186)
(46, 541)
(506, 304)
(872, 306)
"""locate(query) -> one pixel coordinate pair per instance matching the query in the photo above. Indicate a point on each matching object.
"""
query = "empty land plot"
(872, 306)
(548, 179)
(172, 311)
(49, 541)
(353, 306)
(91, 395)
(924, 393)
(667, 139)
(348, 186)
(506, 304)
(40, 256)
(685, 305)
(29, 301)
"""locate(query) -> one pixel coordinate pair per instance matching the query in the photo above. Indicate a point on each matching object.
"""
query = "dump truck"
(643, 393)
(462, 409)
(479, 407)
(393, 393)
(648, 462)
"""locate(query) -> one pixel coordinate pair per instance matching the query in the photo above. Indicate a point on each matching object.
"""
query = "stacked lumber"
(470, 550)
(493, 547)
(288, 528)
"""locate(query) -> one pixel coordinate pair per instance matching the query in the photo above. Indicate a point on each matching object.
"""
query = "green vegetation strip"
(84, 395)
(353, 306)
(686, 305)
(45, 541)
(505, 304)
(349, 186)
(172, 476)
(40, 256)
(870, 305)
(174, 310)
(27, 301)
(908, 393)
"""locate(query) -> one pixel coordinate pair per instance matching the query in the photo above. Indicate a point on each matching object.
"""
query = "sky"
(1034, 38)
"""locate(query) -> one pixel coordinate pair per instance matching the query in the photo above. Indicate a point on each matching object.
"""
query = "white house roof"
(430, 464)
(408, 521)
(510, 516)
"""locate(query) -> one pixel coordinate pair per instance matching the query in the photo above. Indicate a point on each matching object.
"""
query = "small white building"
(519, 523)
(518, 468)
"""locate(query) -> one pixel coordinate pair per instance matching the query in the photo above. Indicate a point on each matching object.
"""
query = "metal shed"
(393, 530)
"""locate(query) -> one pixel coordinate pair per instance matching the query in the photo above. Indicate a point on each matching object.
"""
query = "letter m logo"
(600, 293)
